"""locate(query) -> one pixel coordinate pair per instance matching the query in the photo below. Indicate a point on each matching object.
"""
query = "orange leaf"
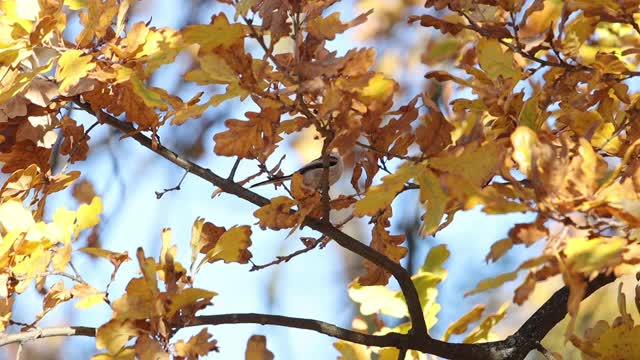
(277, 215)
(198, 345)
(257, 349)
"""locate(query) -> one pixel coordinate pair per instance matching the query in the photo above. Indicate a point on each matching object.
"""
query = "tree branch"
(515, 347)
(401, 274)
(35, 334)
(550, 314)
(388, 340)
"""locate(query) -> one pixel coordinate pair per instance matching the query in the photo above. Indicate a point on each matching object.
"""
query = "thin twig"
(76, 272)
(387, 153)
(159, 194)
(72, 277)
(309, 245)
(232, 174)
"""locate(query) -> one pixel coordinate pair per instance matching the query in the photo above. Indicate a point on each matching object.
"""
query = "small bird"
(312, 173)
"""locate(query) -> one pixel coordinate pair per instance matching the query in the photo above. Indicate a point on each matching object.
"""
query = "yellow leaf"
(498, 249)
(140, 301)
(73, 65)
(186, 297)
(36, 263)
(494, 61)
(88, 215)
(96, 20)
(61, 258)
(434, 199)
(483, 331)
(88, 295)
(460, 326)
(231, 246)
(257, 349)
(378, 90)
(380, 196)
(435, 260)
(148, 95)
(588, 255)
(242, 8)
(115, 334)
(21, 81)
(233, 90)
(530, 115)
(475, 163)
(378, 298)
(277, 214)
(125, 354)
(327, 27)
(218, 33)
(352, 351)
(76, 4)
(510, 276)
(524, 140)
(493, 283)
(14, 217)
(214, 70)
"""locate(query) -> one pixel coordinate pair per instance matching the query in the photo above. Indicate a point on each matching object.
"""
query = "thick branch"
(401, 274)
(515, 347)
(388, 340)
(551, 313)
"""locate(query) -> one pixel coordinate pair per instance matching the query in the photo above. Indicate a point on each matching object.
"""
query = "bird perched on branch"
(312, 173)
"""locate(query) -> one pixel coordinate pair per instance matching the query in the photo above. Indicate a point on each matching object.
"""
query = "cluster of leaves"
(549, 129)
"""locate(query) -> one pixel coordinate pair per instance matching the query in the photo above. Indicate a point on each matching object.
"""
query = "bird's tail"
(273, 180)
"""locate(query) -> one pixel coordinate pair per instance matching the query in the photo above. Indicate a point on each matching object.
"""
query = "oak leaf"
(277, 214)
(257, 349)
(198, 345)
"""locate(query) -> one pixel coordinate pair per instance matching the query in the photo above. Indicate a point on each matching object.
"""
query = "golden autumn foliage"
(526, 107)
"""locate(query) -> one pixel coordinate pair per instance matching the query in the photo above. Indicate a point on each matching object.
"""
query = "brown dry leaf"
(24, 154)
(435, 135)
(75, 141)
(150, 349)
(527, 234)
(257, 349)
(251, 139)
(444, 26)
(83, 191)
(198, 345)
(57, 294)
(115, 334)
(277, 215)
(386, 244)
(231, 246)
(328, 27)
